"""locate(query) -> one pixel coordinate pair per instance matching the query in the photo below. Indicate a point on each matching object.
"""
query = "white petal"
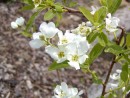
(37, 35)
(51, 24)
(42, 26)
(14, 25)
(82, 59)
(83, 47)
(20, 21)
(74, 64)
(57, 90)
(81, 92)
(74, 91)
(64, 87)
(36, 43)
(109, 15)
(118, 71)
(71, 48)
(52, 51)
(61, 60)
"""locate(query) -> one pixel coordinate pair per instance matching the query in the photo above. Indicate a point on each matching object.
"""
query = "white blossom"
(49, 30)
(94, 9)
(77, 54)
(57, 53)
(64, 91)
(113, 85)
(83, 29)
(20, 21)
(116, 76)
(17, 23)
(112, 23)
(14, 25)
(66, 38)
(36, 42)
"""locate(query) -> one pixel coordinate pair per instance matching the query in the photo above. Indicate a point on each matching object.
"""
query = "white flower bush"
(73, 46)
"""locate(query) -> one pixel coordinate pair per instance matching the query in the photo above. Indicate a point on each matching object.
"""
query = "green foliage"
(49, 15)
(87, 14)
(56, 65)
(95, 52)
(114, 49)
(31, 20)
(92, 36)
(128, 40)
(112, 5)
(100, 14)
(125, 72)
(102, 39)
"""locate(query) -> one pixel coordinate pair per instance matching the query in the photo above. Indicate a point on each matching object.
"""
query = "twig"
(128, 95)
(113, 62)
(58, 74)
(71, 10)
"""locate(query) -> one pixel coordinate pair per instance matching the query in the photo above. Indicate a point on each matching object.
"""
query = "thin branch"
(71, 10)
(58, 74)
(113, 62)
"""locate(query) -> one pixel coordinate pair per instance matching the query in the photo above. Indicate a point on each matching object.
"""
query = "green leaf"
(112, 5)
(128, 40)
(100, 14)
(31, 20)
(92, 36)
(87, 14)
(95, 52)
(102, 38)
(103, 2)
(28, 7)
(115, 49)
(58, 7)
(124, 74)
(56, 65)
(26, 34)
(49, 15)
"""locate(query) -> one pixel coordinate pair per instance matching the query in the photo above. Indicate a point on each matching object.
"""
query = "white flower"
(113, 85)
(20, 21)
(94, 9)
(64, 91)
(14, 25)
(57, 53)
(116, 76)
(77, 54)
(49, 30)
(74, 93)
(37, 42)
(61, 91)
(83, 29)
(112, 23)
(66, 38)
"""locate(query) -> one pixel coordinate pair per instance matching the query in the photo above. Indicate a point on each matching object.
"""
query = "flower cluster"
(17, 23)
(71, 47)
(64, 91)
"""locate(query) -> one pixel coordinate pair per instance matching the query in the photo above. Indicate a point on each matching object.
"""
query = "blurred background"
(24, 71)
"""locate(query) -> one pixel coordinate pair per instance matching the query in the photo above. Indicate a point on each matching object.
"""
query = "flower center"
(61, 54)
(75, 58)
(64, 41)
